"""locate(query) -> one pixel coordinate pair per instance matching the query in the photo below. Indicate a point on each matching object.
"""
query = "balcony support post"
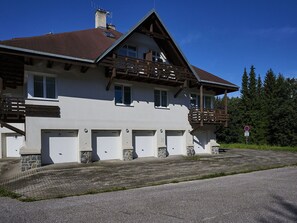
(226, 107)
(201, 104)
(113, 74)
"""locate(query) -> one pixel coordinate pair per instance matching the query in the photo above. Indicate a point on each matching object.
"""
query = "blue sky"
(220, 36)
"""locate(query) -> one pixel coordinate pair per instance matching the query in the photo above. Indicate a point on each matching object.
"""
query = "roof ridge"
(58, 34)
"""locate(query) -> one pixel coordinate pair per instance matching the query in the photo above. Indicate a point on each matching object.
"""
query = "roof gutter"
(221, 84)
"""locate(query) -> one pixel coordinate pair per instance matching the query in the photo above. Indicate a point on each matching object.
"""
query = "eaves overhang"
(28, 52)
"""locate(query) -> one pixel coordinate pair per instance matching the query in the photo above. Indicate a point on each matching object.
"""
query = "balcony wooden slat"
(207, 116)
(14, 110)
(148, 69)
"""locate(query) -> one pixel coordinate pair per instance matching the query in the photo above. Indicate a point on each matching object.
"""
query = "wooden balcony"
(217, 116)
(147, 71)
(14, 110)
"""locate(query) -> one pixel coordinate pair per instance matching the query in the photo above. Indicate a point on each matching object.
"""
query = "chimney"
(100, 18)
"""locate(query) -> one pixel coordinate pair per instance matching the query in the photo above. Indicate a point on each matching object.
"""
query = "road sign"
(246, 133)
(246, 128)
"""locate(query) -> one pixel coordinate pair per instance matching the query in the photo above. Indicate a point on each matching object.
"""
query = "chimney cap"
(103, 11)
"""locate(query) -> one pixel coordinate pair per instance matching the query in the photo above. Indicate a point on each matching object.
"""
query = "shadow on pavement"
(280, 210)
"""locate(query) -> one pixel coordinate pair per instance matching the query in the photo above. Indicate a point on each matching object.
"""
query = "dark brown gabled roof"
(84, 44)
(94, 44)
(208, 77)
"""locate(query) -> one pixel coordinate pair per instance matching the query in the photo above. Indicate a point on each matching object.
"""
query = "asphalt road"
(266, 196)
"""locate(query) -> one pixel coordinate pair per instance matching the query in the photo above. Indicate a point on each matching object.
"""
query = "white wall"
(86, 105)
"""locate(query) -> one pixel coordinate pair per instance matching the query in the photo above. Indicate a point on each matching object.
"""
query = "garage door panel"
(144, 143)
(13, 144)
(174, 142)
(106, 145)
(59, 147)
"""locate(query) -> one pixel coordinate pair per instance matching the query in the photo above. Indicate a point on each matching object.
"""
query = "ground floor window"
(122, 95)
(44, 87)
(160, 98)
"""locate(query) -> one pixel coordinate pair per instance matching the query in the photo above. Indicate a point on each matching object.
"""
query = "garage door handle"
(105, 151)
(60, 153)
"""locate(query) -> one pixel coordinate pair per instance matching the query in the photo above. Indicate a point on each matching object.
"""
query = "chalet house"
(98, 94)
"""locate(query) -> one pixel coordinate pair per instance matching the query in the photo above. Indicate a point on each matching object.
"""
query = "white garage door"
(106, 145)
(199, 142)
(174, 142)
(59, 146)
(13, 144)
(144, 143)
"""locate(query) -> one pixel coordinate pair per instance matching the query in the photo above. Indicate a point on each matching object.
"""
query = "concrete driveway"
(76, 179)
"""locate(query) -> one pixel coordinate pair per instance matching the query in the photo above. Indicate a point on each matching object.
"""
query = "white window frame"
(160, 95)
(30, 86)
(123, 92)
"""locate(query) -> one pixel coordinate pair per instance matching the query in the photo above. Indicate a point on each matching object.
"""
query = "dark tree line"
(269, 108)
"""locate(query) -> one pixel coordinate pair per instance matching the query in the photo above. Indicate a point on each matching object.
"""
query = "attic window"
(109, 34)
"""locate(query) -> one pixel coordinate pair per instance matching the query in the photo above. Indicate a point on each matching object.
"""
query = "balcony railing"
(127, 66)
(196, 116)
(14, 110)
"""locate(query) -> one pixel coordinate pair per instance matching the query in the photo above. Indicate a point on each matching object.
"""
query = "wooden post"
(201, 105)
(226, 107)
(1, 86)
(113, 73)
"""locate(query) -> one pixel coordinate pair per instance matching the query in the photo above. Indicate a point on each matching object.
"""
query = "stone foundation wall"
(162, 152)
(128, 154)
(190, 151)
(30, 162)
(215, 150)
(86, 156)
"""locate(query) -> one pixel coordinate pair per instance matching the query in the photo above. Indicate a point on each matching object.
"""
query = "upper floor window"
(208, 101)
(161, 98)
(194, 101)
(44, 87)
(156, 57)
(127, 50)
(122, 95)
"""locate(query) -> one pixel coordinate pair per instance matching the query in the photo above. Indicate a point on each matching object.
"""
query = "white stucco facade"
(86, 106)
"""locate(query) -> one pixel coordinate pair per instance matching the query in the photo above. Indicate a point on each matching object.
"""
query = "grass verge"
(6, 193)
(259, 147)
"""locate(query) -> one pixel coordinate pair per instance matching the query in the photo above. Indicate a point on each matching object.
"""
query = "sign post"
(246, 133)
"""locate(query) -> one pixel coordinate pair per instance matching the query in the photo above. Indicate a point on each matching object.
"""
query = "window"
(208, 101)
(161, 98)
(44, 87)
(194, 101)
(122, 95)
(156, 57)
(127, 50)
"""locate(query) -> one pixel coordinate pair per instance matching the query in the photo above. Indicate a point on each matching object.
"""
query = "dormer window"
(129, 51)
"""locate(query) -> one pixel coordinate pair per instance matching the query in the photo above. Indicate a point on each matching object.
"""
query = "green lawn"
(258, 147)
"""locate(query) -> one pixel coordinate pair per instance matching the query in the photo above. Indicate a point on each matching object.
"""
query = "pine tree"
(244, 86)
(269, 104)
(252, 86)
